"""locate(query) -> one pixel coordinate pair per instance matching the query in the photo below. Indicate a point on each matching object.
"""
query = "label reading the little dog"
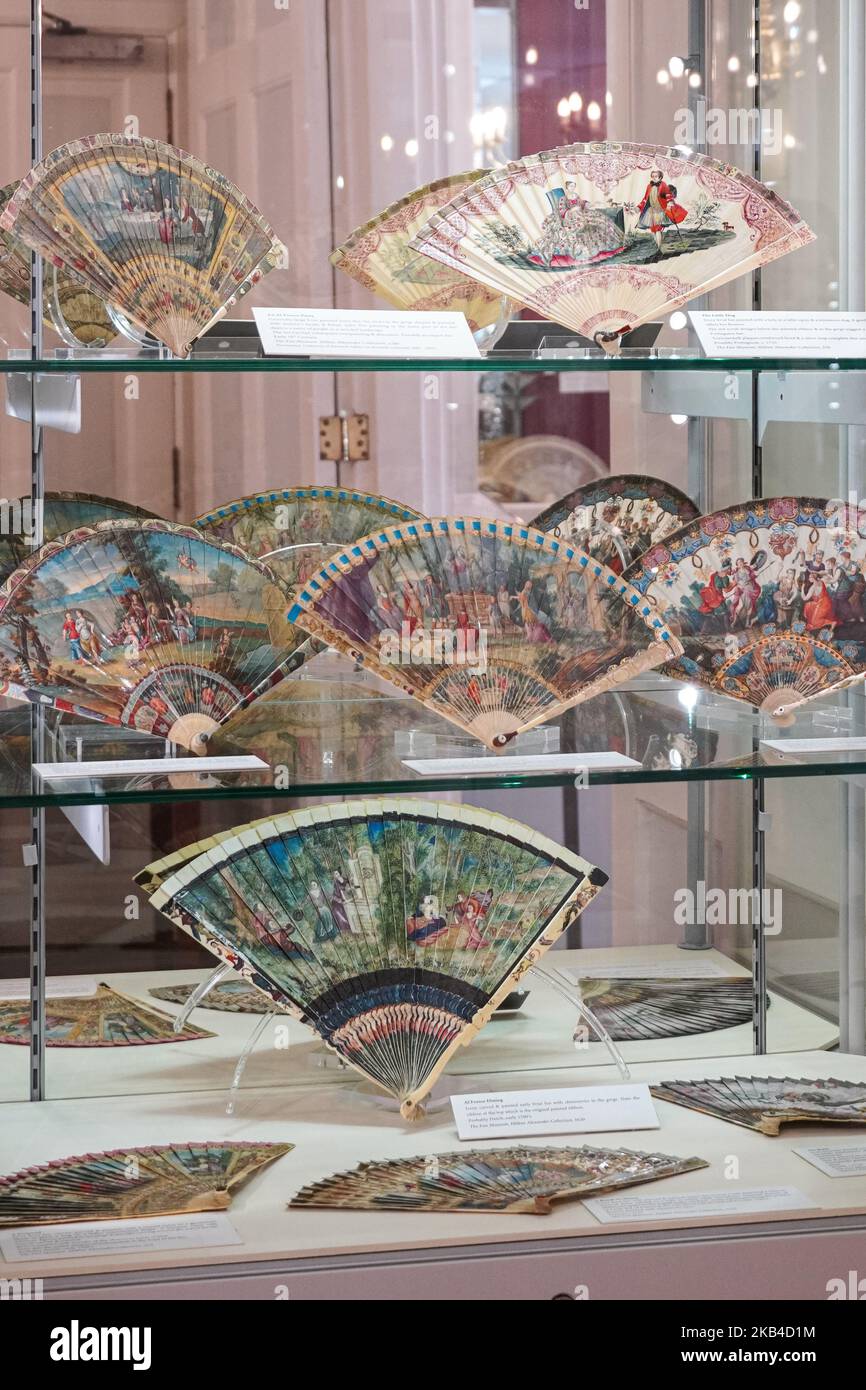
(577, 1110)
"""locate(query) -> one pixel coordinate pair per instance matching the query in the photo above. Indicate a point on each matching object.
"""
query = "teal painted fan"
(151, 230)
(146, 624)
(61, 512)
(495, 626)
(296, 530)
(393, 928)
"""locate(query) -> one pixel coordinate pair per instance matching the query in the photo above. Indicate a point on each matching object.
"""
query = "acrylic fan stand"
(553, 981)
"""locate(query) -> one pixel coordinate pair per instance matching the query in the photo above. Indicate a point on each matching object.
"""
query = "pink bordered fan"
(604, 236)
(616, 519)
(767, 598)
(146, 624)
(495, 626)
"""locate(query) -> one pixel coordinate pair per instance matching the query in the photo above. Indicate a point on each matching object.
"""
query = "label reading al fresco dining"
(574, 1110)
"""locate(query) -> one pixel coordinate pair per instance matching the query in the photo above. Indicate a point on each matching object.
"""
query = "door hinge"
(344, 438)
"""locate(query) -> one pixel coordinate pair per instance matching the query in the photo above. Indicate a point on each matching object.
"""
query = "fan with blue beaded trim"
(295, 530)
(495, 626)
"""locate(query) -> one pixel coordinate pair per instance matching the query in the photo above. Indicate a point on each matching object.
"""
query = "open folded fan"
(616, 519)
(61, 512)
(146, 624)
(765, 1103)
(230, 997)
(379, 257)
(655, 1008)
(162, 1180)
(604, 236)
(295, 530)
(392, 927)
(149, 229)
(767, 598)
(495, 626)
(81, 313)
(103, 1019)
(525, 1180)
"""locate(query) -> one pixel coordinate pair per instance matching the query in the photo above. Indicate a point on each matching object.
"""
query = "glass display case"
(730, 939)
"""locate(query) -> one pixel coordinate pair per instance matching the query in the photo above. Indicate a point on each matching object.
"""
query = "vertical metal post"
(696, 936)
(759, 820)
(852, 475)
(36, 857)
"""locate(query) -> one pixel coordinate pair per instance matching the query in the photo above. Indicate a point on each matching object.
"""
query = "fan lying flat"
(767, 599)
(492, 625)
(379, 257)
(524, 1180)
(656, 1008)
(146, 624)
(83, 314)
(616, 519)
(766, 1103)
(103, 1019)
(147, 228)
(229, 997)
(61, 512)
(392, 927)
(296, 530)
(603, 237)
(165, 1180)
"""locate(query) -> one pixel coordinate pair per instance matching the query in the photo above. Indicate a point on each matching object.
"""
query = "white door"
(253, 102)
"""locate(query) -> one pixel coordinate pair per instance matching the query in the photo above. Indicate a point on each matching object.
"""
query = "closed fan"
(494, 626)
(61, 512)
(103, 1019)
(149, 229)
(77, 315)
(603, 236)
(160, 1180)
(656, 1008)
(765, 1103)
(767, 598)
(146, 624)
(616, 519)
(379, 256)
(392, 927)
(524, 1180)
(297, 529)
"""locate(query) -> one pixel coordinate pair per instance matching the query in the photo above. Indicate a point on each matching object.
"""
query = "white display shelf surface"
(537, 1038)
(336, 1128)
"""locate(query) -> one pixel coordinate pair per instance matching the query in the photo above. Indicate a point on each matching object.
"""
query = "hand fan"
(61, 512)
(146, 227)
(767, 598)
(520, 1180)
(163, 1180)
(230, 997)
(656, 1008)
(603, 237)
(492, 625)
(66, 305)
(103, 1019)
(295, 531)
(765, 1103)
(146, 624)
(616, 519)
(379, 257)
(391, 927)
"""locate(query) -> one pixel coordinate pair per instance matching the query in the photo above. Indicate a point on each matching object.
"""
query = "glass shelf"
(359, 743)
(657, 360)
